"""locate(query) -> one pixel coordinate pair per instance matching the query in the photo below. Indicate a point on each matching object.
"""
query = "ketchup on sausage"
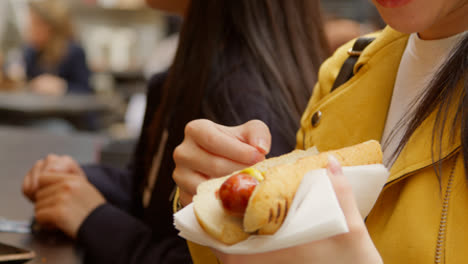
(235, 193)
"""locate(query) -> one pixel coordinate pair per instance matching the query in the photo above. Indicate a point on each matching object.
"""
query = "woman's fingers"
(51, 178)
(36, 172)
(49, 190)
(344, 194)
(185, 198)
(66, 164)
(30, 183)
(256, 134)
(27, 185)
(51, 164)
(360, 245)
(50, 200)
(49, 161)
(191, 156)
(187, 181)
(230, 143)
(210, 150)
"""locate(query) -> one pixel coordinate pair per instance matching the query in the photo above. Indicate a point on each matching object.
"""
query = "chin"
(407, 27)
(406, 21)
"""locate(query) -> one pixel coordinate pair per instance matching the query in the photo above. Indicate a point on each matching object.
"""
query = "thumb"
(257, 134)
(50, 178)
(343, 191)
(67, 164)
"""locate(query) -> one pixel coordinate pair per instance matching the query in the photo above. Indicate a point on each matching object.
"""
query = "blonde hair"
(57, 15)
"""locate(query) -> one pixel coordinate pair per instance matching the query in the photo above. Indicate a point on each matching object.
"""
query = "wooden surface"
(19, 149)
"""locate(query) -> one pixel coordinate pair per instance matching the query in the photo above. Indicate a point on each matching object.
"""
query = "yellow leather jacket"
(417, 218)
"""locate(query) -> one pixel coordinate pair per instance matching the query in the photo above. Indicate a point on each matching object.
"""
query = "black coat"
(121, 231)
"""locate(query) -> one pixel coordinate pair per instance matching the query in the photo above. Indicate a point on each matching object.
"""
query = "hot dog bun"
(268, 205)
(210, 212)
(211, 216)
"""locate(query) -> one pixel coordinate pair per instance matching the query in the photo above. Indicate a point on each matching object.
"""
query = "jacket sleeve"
(110, 235)
(114, 184)
(117, 185)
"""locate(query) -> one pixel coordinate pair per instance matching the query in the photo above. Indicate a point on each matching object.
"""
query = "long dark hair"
(448, 88)
(280, 43)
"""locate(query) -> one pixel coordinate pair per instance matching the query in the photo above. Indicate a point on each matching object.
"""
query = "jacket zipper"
(440, 246)
(439, 251)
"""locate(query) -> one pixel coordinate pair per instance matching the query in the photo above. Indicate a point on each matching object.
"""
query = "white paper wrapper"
(314, 214)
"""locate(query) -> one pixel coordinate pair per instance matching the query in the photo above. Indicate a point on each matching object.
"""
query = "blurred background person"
(55, 62)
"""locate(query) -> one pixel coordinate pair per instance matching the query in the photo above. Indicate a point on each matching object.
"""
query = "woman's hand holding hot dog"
(355, 246)
(210, 150)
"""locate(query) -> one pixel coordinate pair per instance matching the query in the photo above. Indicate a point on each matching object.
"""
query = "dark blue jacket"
(73, 68)
(122, 231)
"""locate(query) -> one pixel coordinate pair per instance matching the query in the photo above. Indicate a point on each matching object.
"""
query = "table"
(19, 148)
(76, 108)
(70, 104)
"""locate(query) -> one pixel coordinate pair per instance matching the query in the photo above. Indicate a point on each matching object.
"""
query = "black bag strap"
(347, 70)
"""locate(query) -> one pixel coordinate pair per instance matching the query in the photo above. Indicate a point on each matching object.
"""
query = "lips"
(393, 3)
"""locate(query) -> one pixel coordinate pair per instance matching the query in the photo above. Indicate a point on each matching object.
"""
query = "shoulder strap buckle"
(347, 70)
(354, 53)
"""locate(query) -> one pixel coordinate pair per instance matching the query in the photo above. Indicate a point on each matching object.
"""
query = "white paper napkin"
(314, 214)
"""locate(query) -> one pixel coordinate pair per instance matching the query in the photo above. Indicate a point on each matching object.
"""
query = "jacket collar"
(383, 40)
(377, 72)
(363, 100)
(417, 153)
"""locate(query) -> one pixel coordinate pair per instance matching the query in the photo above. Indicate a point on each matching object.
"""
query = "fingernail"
(258, 157)
(262, 146)
(334, 165)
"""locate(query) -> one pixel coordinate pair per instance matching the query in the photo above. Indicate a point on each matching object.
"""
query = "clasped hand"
(62, 195)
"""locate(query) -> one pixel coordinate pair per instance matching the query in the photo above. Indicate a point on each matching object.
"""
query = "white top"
(421, 60)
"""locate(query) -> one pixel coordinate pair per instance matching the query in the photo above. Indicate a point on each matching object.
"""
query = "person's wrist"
(92, 222)
(78, 221)
(368, 252)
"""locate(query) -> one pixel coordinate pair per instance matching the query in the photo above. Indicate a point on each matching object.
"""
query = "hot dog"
(235, 192)
(269, 198)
